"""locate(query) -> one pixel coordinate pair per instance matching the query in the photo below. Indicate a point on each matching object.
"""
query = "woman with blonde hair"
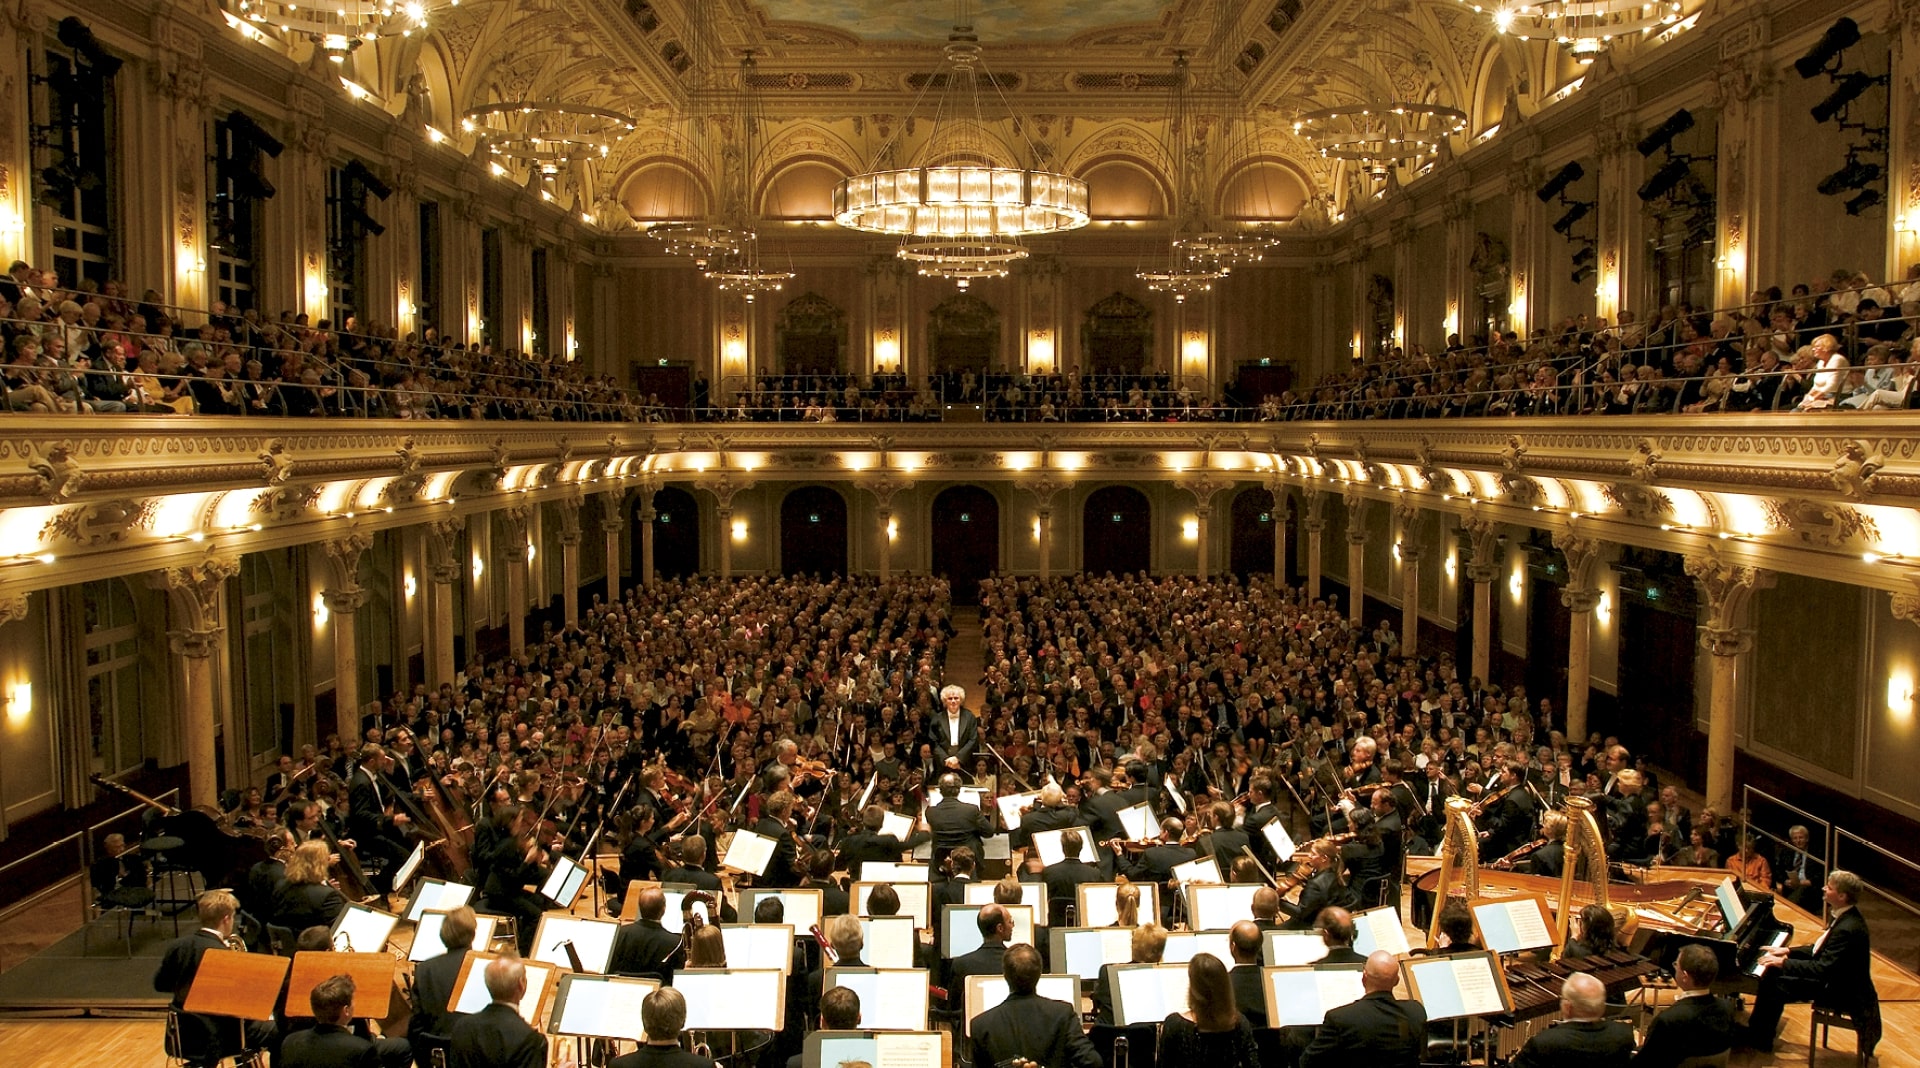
(707, 948)
(307, 900)
(1126, 903)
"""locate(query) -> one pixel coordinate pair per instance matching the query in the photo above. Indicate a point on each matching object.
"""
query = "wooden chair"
(1863, 1021)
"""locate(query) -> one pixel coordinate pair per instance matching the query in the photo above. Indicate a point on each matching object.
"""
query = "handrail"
(1841, 833)
(1749, 791)
(85, 838)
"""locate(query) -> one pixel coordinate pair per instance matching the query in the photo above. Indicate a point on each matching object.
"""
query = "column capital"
(1479, 573)
(885, 489)
(1726, 641)
(1905, 606)
(1203, 489)
(723, 489)
(1727, 585)
(195, 589)
(344, 601)
(570, 539)
(343, 557)
(1580, 599)
(517, 520)
(196, 644)
(444, 572)
(13, 607)
(1583, 557)
(1409, 554)
(1044, 490)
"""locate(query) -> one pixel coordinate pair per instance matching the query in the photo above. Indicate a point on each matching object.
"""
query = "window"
(269, 671)
(233, 215)
(115, 706)
(346, 245)
(75, 179)
(542, 302)
(492, 293)
(426, 296)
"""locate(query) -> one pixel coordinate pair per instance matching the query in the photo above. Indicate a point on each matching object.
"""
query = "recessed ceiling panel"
(993, 20)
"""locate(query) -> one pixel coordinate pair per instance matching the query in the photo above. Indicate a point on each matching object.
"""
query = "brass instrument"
(1459, 855)
(1584, 843)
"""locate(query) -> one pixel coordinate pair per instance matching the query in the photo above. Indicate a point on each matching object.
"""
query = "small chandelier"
(338, 25)
(1191, 266)
(957, 189)
(962, 260)
(740, 271)
(1381, 136)
(700, 242)
(1182, 277)
(1584, 27)
(546, 134)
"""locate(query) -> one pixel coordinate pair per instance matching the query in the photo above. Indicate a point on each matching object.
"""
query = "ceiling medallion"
(1585, 27)
(956, 187)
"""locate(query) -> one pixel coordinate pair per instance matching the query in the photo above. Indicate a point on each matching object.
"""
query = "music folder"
(1377, 929)
(894, 871)
(1033, 895)
(914, 900)
(1301, 996)
(749, 853)
(988, 991)
(1465, 984)
(889, 941)
(1097, 905)
(436, 894)
(1204, 870)
(234, 983)
(895, 824)
(1138, 822)
(1183, 946)
(735, 999)
(878, 1049)
(1047, 844)
(470, 989)
(1082, 951)
(592, 940)
(1148, 993)
(1280, 840)
(564, 881)
(600, 1006)
(1515, 924)
(410, 867)
(801, 908)
(1216, 907)
(1291, 949)
(361, 929)
(758, 945)
(1012, 807)
(426, 936)
(891, 999)
(372, 981)
(960, 928)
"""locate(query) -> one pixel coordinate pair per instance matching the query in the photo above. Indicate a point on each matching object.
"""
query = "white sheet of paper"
(996, 847)
(1377, 929)
(888, 871)
(1279, 839)
(1137, 821)
(727, 999)
(914, 900)
(973, 795)
(1216, 907)
(1479, 992)
(1010, 806)
(410, 867)
(801, 907)
(962, 928)
(564, 882)
(1082, 951)
(1183, 946)
(1303, 995)
(749, 852)
(437, 894)
(891, 999)
(473, 996)
(592, 939)
(426, 936)
(1031, 894)
(1203, 870)
(1047, 843)
(363, 930)
(1099, 907)
(1512, 926)
(1453, 987)
(895, 824)
(1173, 791)
(1290, 949)
(906, 1051)
(675, 896)
(889, 941)
(758, 945)
(600, 1006)
(1148, 994)
(988, 991)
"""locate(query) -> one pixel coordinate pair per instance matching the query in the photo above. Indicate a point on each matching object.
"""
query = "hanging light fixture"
(741, 271)
(338, 26)
(546, 134)
(700, 240)
(954, 187)
(1186, 271)
(1381, 135)
(1585, 27)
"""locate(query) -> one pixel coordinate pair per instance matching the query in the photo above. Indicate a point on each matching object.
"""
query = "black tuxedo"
(181, 961)
(1579, 1044)
(304, 905)
(856, 849)
(1549, 859)
(660, 1057)
(1698, 1026)
(833, 897)
(1839, 975)
(1343, 955)
(1063, 881)
(954, 824)
(989, 959)
(645, 946)
(948, 891)
(1377, 1031)
(201, 1035)
(1248, 993)
(327, 1046)
(433, 981)
(496, 1037)
(944, 745)
(1322, 890)
(781, 869)
(1224, 845)
(1101, 813)
(1255, 820)
(1041, 818)
(1036, 1028)
(1156, 864)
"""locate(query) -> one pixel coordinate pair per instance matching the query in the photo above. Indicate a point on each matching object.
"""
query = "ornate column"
(569, 508)
(1277, 518)
(1044, 491)
(883, 491)
(343, 597)
(195, 596)
(1903, 137)
(723, 490)
(1456, 214)
(1203, 491)
(1407, 515)
(1315, 524)
(1526, 298)
(514, 522)
(1356, 556)
(1581, 596)
(612, 522)
(1619, 222)
(1727, 587)
(1483, 570)
(1744, 83)
(444, 568)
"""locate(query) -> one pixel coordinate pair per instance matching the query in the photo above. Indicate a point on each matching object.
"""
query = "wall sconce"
(19, 702)
(1193, 349)
(1040, 351)
(733, 352)
(532, 551)
(1517, 585)
(320, 613)
(1603, 611)
(1396, 552)
(1452, 567)
(886, 351)
(1190, 529)
(739, 530)
(1036, 528)
(893, 530)
(479, 567)
(410, 586)
(1899, 695)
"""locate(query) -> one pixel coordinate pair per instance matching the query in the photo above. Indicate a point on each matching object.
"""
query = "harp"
(1586, 852)
(1459, 861)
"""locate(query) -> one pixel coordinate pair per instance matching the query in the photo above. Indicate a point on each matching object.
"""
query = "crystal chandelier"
(741, 270)
(955, 188)
(546, 134)
(1584, 27)
(702, 241)
(339, 26)
(1381, 136)
(1189, 268)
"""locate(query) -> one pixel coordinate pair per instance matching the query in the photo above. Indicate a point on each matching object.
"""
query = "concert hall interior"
(994, 533)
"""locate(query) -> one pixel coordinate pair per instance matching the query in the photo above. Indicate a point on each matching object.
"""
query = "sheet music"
(1047, 843)
(1137, 821)
(599, 1006)
(913, 900)
(1183, 946)
(866, 795)
(426, 936)
(592, 940)
(410, 867)
(749, 852)
(1479, 992)
(1031, 894)
(891, 999)
(758, 945)
(1452, 987)
(1289, 949)
(473, 996)
(437, 894)
(907, 1051)
(923, 851)
(363, 930)
(1082, 951)
(840, 1049)
(1301, 997)
(1512, 926)
(1279, 839)
(972, 795)
(732, 999)
(889, 941)
(1218, 907)
(988, 991)
(1010, 806)
(1378, 929)
(996, 847)
(1203, 870)
(564, 882)
(1099, 907)
(801, 908)
(889, 871)
(1148, 993)
(1173, 791)
(895, 824)
(962, 922)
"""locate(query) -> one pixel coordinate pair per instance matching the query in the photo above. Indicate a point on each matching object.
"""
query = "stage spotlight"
(1839, 37)
(247, 130)
(1582, 273)
(1854, 175)
(1565, 177)
(1575, 212)
(1662, 135)
(1583, 257)
(1845, 91)
(75, 35)
(1865, 200)
(1665, 180)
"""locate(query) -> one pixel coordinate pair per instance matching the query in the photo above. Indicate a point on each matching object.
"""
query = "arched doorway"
(1250, 551)
(810, 336)
(966, 539)
(676, 534)
(1117, 336)
(1116, 531)
(963, 333)
(813, 532)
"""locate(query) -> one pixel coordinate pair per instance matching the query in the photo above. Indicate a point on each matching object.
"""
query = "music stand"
(601, 1006)
(470, 988)
(232, 983)
(372, 975)
(902, 1049)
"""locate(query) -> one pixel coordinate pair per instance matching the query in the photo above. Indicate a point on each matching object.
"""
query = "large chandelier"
(705, 242)
(1381, 136)
(546, 135)
(338, 25)
(741, 271)
(1584, 27)
(955, 188)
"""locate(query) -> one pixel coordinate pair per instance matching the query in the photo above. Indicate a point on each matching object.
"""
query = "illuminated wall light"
(1036, 528)
(495, 169)
(886, 350)
(1517, 585)
(1899, 695)
(320, 613)
(1396, 552)
(1190, 529)
(739, 530)
(1040, 351)
(435, 135)
(734, 352)
(1193, 349)
(410, 586)
(316, 287)
(893, 530)
(532, 551)
(479, 567)
(1451, 324)
(1452, 567)
(1603, 611)
(19, 703)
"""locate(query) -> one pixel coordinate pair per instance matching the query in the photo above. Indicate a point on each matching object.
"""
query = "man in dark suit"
(376, 834)
(996, 928)
(205, 1039)
(1051, 813)
(1510, 821)
(1155, 863)
(847, 941)
(1244, 942)
(663, 1014)
(1260, 812)
(868, 843)
(955, 823)
(956, 734)
(1836, 969)
(1063, 879)
(1584, 1037)
(1100, 808)
(1378, 1031)
(645, 945)
(1393, 844)
(496, 1036)
(952, 890)
(330, 1042)
(1225, 841)
(1336, 930)
(693, 870)
(1028, 1026)
(783, 867)
(833, 896)
(433, 981)
(1697, 1024)
(1797, 872)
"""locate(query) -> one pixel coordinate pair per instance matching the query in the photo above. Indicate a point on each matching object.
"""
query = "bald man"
(496, 1036)
(645, 946)
(1380, 1030)
(1584, 1037)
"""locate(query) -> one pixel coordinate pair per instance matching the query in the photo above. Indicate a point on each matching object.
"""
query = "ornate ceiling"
(994, 21)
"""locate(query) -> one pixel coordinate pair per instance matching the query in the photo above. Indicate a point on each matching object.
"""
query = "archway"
(676, 534)
(1250, 550)
(1116, 531)
(1117, 336)
(813, 532)
(966, 539)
